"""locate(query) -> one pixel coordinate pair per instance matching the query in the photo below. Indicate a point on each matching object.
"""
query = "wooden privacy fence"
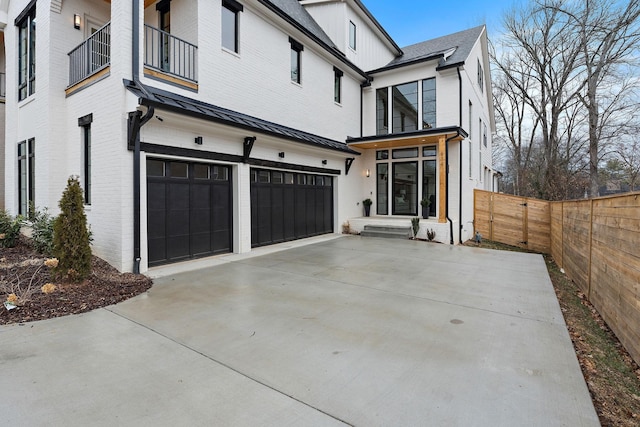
(595, 241)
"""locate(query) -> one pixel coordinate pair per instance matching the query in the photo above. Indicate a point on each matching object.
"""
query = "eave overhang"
(408, 139)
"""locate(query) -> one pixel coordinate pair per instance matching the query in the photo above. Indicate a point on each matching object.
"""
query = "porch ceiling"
(147, 3)
(431, 136)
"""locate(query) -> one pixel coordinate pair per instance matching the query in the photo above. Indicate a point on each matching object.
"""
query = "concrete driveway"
(345, 330)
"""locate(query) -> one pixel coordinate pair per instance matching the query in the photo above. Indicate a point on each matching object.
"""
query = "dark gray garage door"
(189, 210)
(288, 206)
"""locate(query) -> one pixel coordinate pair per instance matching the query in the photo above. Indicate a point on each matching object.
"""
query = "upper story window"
(230, 23)
(26, 23)
(429, 103)
(405, 107)
(480, 76)
(337, 85)
(352, 35)
(382, 111)
(296, 60)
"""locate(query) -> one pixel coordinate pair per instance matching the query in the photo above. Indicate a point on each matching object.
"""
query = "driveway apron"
(347, 331)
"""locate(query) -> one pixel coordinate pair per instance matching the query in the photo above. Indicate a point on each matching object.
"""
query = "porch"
(356, 225)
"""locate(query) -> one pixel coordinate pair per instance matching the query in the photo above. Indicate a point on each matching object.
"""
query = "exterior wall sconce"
(76, 21)
(324, 162)
(281, 154)
(198, 140)
(367, 173)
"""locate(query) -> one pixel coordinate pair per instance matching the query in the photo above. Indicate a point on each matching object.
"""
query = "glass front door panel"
(405, 188)
(429, 184)
(382, 188)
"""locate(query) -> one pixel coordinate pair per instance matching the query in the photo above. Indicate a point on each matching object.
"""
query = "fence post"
(590, 249)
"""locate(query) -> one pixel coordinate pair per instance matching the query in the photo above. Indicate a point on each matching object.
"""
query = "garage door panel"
(189, 210)
(288, 206)
(157, 200)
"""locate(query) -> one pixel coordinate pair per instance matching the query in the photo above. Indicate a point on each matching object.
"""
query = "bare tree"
(609, 33)
(629, 155)
(538, 65)
(562, 68)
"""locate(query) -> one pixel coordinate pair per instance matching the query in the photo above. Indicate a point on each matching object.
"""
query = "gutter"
(446, 205)
(460, 161)
(136, 121)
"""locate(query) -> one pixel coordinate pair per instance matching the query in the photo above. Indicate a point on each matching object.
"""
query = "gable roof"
(461, 43)
(294, 10)
(169, 101)
(295, 14)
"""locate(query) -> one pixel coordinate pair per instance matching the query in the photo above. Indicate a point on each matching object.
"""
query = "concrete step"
(386, 231)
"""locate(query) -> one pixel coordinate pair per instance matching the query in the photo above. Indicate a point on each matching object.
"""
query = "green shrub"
(42, 236)
(9, 229)
(71, 236)
(415, 226)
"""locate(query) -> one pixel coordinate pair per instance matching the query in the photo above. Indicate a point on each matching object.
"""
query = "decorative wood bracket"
(247, 147)
(347, 164)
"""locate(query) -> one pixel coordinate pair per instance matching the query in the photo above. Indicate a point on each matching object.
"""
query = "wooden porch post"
(442, 176)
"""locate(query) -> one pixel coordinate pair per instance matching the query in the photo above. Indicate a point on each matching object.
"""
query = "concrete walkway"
(366, 332)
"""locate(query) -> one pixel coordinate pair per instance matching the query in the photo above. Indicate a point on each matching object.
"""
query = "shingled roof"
(169, 101)
(460, 44)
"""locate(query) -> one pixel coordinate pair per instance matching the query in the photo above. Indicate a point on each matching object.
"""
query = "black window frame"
(382, 111)
(296, 53)
(480, 76)
(26, 171)
(337, 85)
(399, 111)
(353, 32)
(85, 123)
(26, 23)
(432, 103)
(235, 8)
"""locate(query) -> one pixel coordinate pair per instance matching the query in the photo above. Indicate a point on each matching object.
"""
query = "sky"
(414, 21)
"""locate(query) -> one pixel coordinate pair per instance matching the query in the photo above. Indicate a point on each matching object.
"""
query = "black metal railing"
(170, 54)
(91, 56)
(3, 85)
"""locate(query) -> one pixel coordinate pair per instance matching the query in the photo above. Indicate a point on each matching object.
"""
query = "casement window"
(230, 24)
(352, 35)
(337, 85)
(480, 77)
(484, 134)
(26, 175)
(382, 111)
(85, 124)
(405, 107)
(296, 61)
(26, 23)
(429, 103)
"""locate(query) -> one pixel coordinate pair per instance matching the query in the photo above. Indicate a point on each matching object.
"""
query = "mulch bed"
(22, 266)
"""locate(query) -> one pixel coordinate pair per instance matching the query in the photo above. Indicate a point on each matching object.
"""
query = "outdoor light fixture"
(281, 154)
(324, 162)
(367, 173)
(198, 140)
(76, 21)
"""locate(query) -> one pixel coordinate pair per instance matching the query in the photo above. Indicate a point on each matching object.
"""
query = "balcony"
(91, 57)
(169, 57)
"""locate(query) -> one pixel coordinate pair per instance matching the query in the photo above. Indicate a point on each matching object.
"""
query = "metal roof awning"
(407, 139)
(168, 101)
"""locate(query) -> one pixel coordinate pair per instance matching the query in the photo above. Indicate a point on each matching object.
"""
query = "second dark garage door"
(287, 206)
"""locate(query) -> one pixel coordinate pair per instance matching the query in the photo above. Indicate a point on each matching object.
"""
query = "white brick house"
(201, 127)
